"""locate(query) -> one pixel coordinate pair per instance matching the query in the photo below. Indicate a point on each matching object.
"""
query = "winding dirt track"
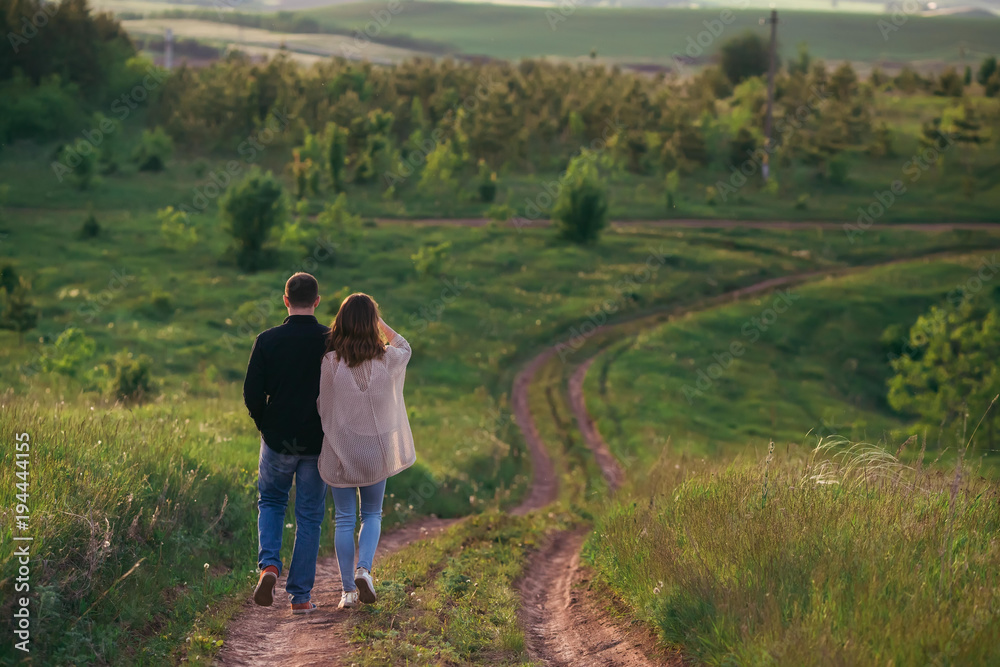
(271, 636)
(704, 224)
(565, 623)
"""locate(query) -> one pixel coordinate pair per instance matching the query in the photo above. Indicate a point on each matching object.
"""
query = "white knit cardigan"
(366, 433)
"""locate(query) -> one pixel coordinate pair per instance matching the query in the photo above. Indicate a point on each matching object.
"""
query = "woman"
(367, 436)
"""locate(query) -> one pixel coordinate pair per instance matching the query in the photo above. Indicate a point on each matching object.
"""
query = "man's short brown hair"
(301, 290)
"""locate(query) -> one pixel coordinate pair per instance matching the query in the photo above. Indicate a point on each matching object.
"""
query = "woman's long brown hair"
(355, 335)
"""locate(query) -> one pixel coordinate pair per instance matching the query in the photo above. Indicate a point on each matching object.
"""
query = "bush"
(131, 378)
(17, 310)
(175, 229)
(429, 260)
(154, 149)
(251, 209)
(838, 170)
(581, 209)
(741, 147)
(671, 185)
(487, 183)
(499, 214)
(90, 229)
(744, 57)
(160, 307)
(711, 195)
(70, 351)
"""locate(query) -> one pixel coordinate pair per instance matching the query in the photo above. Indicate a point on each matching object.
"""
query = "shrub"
(160, 306)
(90, 229)
(671, 185)
(802, 203)
(335, 154)
(131, 378)
(251, 209)
(487, 183)
(82, 164)
(153, 151)
(70, 351)
(838, 170)
(986, 70)
(499, 214)
(742, 146)
(430, 259)
(581, 208)
(744, 57)
(176, 230)
(17, 310)
(711, 195)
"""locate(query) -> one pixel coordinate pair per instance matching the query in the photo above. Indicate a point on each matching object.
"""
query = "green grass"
(519, 291)
(654, 35)
(759, 564)
(451, 599)
(819, 367)
(108, 490)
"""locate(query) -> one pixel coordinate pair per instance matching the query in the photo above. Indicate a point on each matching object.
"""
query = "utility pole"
(765, 169)
(168, 49)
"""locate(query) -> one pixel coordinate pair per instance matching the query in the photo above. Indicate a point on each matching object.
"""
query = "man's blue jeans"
(273, 484)
(345, 508)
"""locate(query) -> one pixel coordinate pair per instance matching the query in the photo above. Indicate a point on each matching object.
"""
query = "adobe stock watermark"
(750, 332)
(913, 169)
(901, 13)
(433, 310)
(249, 149)
(123, 106)
(537, 206)
(21, 536)
(918, 337)
(626, 286)
(363, 36)
(96, 304)
(31, 25)
(699, 43)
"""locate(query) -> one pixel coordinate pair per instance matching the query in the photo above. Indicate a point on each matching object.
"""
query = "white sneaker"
(348, 600)
(366, 587)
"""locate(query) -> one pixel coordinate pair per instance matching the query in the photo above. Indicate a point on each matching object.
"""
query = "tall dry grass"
(844, 556)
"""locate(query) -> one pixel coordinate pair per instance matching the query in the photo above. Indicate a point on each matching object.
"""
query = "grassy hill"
(820, 368)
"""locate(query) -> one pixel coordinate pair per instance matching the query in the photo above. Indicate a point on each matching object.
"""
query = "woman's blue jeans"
(345, 503)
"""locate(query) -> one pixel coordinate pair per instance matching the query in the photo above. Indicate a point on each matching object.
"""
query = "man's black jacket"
(282, 385)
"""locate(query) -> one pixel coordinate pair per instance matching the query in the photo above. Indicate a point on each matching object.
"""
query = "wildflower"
(206, 566)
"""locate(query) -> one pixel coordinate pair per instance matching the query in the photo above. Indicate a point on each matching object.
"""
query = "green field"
(656, 35)
(818, 369)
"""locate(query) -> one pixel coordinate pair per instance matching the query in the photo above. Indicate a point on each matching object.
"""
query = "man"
(280, 391)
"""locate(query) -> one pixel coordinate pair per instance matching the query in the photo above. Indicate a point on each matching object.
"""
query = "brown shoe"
(264, 593)
(303, 608)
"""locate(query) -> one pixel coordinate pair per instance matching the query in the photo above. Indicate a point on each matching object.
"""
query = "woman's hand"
(386, 331)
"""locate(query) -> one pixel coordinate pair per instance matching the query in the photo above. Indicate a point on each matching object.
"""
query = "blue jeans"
(345, 502)
(273, 485)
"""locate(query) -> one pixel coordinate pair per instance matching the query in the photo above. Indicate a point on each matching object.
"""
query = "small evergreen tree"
(581, 209)
(17, 310)
(251, 209)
